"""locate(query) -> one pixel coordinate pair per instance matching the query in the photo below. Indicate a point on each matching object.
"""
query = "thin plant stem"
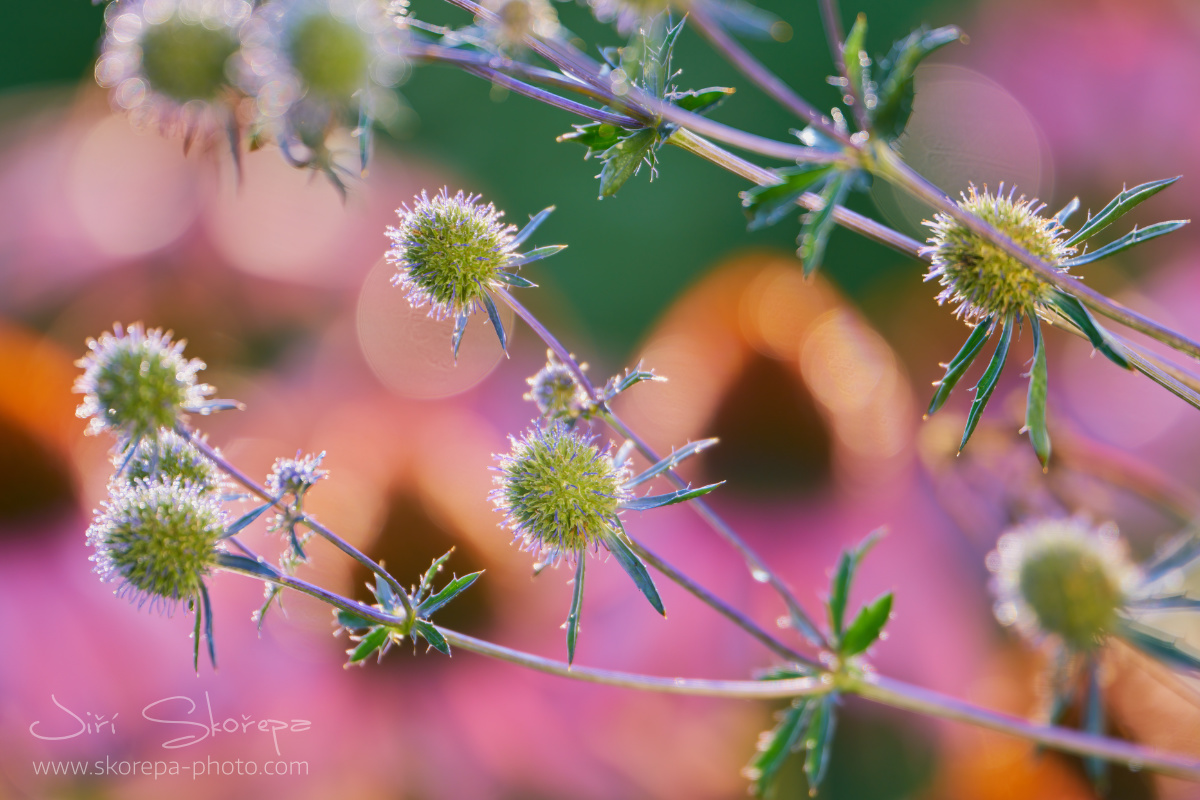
(720, 606)
(923, 701)
(758, 74)
(550, 340)
(551, 99)
(831, 21)
(369, 613)
(337, 541)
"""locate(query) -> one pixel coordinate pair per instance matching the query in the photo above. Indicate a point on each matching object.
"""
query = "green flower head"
(137, 383)
(977, 275)
(171, 457)
(159, 539)
(1062, 578)
(560, 495)
(555, 391)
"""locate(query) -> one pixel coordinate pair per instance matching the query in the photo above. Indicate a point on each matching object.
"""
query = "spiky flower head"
(448, 251)
(559, 493)
(173, 62)
(295, 476)
(172, 457)
(1062, 578)
(627, 15)
(555, 390)
(976, 274)
(136, 383)
(516, 19)
(159, 539)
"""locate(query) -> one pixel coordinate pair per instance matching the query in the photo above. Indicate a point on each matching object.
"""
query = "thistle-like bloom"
(983, 280)
(136, 383)
(158, 539)
(171, 458)
(295, 476)
(173, 63)
(559, 493)
(516, 19)
(450, 252)
(556, 392)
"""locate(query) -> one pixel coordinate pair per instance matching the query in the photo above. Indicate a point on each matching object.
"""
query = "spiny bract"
(976, 274)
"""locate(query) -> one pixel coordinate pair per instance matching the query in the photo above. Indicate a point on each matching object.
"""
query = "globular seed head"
(171, 457)
(448, 251)
(185, 60)
(295, 476)
(555, 390)
(331, 55)
(159, 539)
(559, 494)
(1062, 578)
(136, 383)
(976, 274)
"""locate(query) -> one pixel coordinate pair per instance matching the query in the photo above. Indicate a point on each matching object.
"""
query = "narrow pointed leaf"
(364, 138)
(576, 608)
(1065, 214)
(515, 280)
(208, 625)
(748, 20)
(1035, 402)
(1173, 602)
(387, 598)
(1093, 723)
(531, 226)
(1134, 237)
(819, 741)
(597, 137)
(658, 500)
(852, 53)
(1176, 555)
(701, 101)
(1119, 206)
(987, 384)
(895, 76)
(867, 626)
(259, 568)
(1160, 376)
(450, 591)
(433, 636)
(352, 621)
(245, 519)
(369, 644)
(688, 450)
(775, 747)
(460, 327)
(497, 323)
(1101, 339)
(843, 578)
(959, 365)
(1159, 646)
(431, 573)
(767, 205)
(196, 636)
(536, 254)
(816, 230)
(636, 570)
(622, 160)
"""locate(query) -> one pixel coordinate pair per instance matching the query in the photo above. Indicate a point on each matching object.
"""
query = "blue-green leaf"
(1159, 646)
(196, 635)
(1065, 214)
(497, 324)
(1170, 602)
(369, 644)
(387, 598)
(658, 500)
(987, 384)
(206, 603)
(576, 608)
(1124, 202)
(819, 741)
(701, 101)
(819, 224)
(1035, 402)
(536, 254)
(623, 159)
(775, 746)
(460, 328)
(843, 578)
(597, 137)
(853, 55)
(767, 205)
(515, 280)
(895, 93)
(1177, 554)
(1093, 723)
(959, 365)
(531, 226)
(1134, 237)
(1101, 339)
(245, 519)
(687, 451)
(364, 132)
(352, 621)
(867, 626)
(784, 672)
(260, 568)
(634, 567)
(450, 591)
(434, 568)
(432, 635)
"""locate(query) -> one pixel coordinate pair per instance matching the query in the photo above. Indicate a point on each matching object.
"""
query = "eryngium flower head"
(136, 383)
(172, 457)
(980, 277)
(559, 494)
(516, 19)
(555, 391)
(1062, 578)
(627, 15)
(448, 251)
(172, 62)
(295, 476)
(159, 539)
